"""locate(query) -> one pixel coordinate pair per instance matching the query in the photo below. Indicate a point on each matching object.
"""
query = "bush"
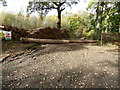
(90, 34)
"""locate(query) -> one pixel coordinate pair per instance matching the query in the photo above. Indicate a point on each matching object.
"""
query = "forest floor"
(59, 66)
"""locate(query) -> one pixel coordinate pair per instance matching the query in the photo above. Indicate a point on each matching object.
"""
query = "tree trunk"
(98, 21)
(107, 30)
(83, 41)
(45, 41)
(119, 27)
(59, 18)
(54, 41)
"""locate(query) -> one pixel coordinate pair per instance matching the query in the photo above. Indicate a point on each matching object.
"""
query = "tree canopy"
(47, 5)
(106, 18)
(3, 2)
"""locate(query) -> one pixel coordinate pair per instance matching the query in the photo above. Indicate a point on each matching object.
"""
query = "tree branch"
(62, 9)
(56, 3)
(60, 4)
(49, 8)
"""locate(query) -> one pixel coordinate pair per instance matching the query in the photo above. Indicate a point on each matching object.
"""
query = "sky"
(14, 6)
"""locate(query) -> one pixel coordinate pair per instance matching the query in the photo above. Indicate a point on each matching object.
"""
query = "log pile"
(41, 33)
(48, 33)
(16, 33)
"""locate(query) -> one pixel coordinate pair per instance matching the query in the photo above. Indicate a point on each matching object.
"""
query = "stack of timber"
(41, 33)
(48, 33)
(16, 33)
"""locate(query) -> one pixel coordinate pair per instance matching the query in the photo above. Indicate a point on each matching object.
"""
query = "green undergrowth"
(107, 44)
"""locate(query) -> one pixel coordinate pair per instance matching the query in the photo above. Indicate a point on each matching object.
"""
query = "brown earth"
(60, 66)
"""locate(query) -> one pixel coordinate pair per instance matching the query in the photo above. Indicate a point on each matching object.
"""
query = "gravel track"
(61, 66)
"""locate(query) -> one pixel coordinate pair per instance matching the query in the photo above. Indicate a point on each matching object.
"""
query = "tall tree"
(99, 12)
(45, 6)
(98, 8)
(107, 17)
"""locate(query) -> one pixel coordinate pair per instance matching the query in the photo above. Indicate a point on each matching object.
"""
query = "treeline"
(21, 21)
(72, 22)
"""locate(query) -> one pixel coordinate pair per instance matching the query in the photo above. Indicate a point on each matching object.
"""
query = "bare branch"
(55, 3)
(62, 9)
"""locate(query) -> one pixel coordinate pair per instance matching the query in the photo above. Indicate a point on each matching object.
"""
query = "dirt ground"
(60, 66)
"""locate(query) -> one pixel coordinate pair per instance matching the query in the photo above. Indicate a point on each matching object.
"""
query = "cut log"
(45, 41)
(83, 41)
(55, 41)
(117, 43)
(3, 57)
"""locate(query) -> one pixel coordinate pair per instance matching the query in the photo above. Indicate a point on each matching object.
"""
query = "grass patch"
(111, 45)
(99, 44)
(107, 44)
